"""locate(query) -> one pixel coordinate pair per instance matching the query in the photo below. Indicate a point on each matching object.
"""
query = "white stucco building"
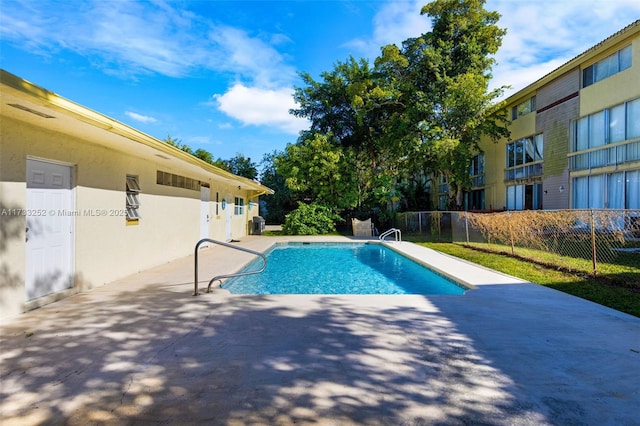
(85, 199)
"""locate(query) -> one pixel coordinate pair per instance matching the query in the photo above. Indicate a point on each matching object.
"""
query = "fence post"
(420, 223)
(466, 225)
(513, 250)
(593, 243)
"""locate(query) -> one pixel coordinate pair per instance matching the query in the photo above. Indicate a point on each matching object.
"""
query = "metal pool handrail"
(219, 277)
(397, 234)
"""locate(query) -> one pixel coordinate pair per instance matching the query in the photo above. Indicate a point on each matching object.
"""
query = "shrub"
(310, 219)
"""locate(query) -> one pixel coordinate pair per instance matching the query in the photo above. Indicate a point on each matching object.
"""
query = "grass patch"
(624, 272)
(598, 290)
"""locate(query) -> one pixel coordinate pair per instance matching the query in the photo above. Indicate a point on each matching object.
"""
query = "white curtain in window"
(615, 191)
(633, 119)
(529, 150)
(625, 58)
(539, 143)
(519, 205)
(581, 192)
(633, 189)
(582, 134)
(596, 192)
(606, 67)
(616, 123)
(511, 197)
(596, 129)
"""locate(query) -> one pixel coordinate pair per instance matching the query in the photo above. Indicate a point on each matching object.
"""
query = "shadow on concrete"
(155, 356)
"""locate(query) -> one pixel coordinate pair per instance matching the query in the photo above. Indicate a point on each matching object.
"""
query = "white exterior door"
(49, 229)
(204, 212)
(228, 217)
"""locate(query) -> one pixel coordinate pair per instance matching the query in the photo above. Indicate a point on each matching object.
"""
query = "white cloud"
(133, 37)
(250, 57)
(395, 22)
(541, 34)
(139, 117)
(261, 107)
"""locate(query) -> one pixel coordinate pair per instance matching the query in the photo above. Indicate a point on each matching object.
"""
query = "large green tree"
(445, 76)
(354, 104)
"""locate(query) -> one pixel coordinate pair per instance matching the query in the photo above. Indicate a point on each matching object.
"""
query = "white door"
(49, 229)
(204, 212)
(228, 217)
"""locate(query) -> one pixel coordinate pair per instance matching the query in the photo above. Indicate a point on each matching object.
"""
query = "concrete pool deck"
(143, 350)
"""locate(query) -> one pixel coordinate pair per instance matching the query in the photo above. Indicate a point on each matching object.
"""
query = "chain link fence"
(603, 242)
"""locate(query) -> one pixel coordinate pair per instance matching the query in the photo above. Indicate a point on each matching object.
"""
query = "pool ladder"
(220, 277)
(396, 234)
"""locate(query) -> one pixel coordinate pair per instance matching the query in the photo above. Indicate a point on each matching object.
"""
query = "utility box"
(258, 225)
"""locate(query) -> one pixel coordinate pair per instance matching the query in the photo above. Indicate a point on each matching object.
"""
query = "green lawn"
(596, 290)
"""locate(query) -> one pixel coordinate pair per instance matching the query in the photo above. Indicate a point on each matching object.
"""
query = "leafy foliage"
(318, 170)
(276, 206)
(310, 219)
(418, 112)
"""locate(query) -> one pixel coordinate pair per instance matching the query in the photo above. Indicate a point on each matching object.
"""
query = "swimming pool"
(340, 268)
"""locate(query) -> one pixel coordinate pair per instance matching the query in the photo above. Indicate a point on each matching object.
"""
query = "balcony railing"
(524, 172)
(606, 155)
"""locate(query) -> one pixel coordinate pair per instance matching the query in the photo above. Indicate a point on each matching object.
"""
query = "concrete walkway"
(143, 350)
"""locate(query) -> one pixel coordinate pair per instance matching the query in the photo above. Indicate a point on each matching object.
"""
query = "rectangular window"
(523, 108)
(133, 198)
(612, 64)
(581, 192)
(538, 140)
(170, 179)
(633, 119)
(528, 197)
(632, 190)
(524, 158)
(615, 125)
(596, 129)
(615, 190)
(238, 208)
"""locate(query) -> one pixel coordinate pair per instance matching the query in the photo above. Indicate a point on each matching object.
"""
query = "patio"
(143, 350)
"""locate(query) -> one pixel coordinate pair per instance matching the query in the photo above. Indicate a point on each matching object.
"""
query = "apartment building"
(575, 136)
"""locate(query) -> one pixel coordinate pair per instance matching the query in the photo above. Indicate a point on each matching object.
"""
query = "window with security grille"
(133, 198)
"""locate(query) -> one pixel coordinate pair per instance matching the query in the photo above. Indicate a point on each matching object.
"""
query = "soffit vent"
(32, 111)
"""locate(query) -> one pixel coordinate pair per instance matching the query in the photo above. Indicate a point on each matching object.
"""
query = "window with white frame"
(133, 198)
(619, 190)
(610, 126)
(238, 206)
(612, 64)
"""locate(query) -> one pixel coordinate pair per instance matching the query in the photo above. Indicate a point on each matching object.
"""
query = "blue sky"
(219, 74)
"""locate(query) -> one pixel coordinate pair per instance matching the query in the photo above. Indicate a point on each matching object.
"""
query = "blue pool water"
(339, 268)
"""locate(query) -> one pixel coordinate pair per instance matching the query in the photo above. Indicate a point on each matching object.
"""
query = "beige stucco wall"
(107, 247)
